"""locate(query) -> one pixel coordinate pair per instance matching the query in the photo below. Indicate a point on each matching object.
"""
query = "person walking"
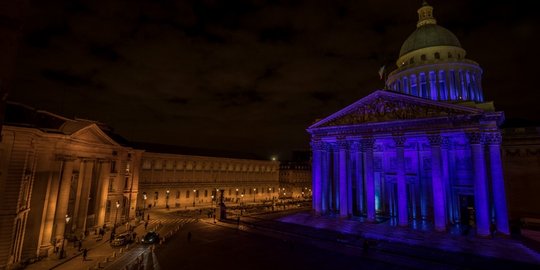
(84, 254)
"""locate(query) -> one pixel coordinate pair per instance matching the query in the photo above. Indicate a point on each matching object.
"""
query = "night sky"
(249, 76)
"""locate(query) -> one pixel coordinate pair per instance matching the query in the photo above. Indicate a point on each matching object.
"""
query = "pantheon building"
(426, 148)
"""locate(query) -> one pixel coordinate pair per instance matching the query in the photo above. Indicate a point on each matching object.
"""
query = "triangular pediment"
(92, 134)
(386, 106)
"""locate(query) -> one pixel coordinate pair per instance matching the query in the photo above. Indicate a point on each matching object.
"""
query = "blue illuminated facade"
(413, 153)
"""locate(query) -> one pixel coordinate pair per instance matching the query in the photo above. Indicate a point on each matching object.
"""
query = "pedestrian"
(84, 254)
(148, 217)
(145, 225)
(189, 236)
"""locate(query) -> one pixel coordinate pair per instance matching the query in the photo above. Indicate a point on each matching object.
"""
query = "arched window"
(437, 55)
(449, 55)
(423, 57)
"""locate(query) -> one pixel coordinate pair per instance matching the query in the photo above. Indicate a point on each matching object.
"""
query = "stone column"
(63, 198)
(317, 175)
(342, 176)
(403, 217)
(359, 178)
(103, 192)
(367, 148)
(439, 208)
(497, 182)
(325, 188)
(480, 184)
(85, 178)
(445, 146)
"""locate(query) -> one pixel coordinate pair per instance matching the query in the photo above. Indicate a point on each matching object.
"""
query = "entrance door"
(466, 210)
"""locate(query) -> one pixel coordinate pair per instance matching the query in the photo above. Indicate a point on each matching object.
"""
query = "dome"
(429, 35)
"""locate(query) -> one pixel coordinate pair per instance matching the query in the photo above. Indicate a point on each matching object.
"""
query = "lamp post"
(236, 195)
(194, 193)
(113, 232)
(167, 199)
(254, 194)
(62, 255)
(144, 203)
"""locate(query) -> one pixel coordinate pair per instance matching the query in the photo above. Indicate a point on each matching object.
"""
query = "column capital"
(493, 138)
(399, 139)
(435, 139)
(474, 137)
(317, 145)
(343, 144)
(367, 142)
(354, 145)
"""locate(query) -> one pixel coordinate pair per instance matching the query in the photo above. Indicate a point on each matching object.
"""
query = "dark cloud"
(239, 98)
(178, 100)
(277, 34)
(105, 52)
(41, 37)
(68, 78)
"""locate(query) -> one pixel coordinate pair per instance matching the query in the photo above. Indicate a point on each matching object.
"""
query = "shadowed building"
(53, 167)
(428, 148)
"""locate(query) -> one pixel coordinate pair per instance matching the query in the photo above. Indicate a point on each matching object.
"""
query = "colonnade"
(76, 193)
(340, 163)
(439, 84)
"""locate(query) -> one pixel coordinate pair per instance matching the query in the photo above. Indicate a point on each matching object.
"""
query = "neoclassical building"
(182, 178)
(427, 148)
(59, 177)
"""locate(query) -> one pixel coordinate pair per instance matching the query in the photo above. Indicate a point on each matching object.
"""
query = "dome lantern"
(425, 15)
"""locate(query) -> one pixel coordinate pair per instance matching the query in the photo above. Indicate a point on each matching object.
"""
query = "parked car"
(150, 238)
(122, 239)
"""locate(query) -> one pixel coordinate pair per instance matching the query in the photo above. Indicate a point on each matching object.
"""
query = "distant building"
(295, 176)
(180, 177)
(427, 148)
(521, 162)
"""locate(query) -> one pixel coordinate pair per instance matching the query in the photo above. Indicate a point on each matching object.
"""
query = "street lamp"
(236, 195)
(115, 219)
(254, 194)
(167, 199)
(194, 192)
(68, 218)
(144, 205)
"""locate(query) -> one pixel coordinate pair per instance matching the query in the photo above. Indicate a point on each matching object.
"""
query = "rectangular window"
(113, 166)
(111, 184)
(187, 194)
(205, 193)
(178, 194)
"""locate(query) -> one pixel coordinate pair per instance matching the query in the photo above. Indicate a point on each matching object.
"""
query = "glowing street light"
(167, 199)
(194, 192)
(62, 255)
(115, 219)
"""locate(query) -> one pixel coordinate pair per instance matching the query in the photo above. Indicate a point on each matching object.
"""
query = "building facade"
(295, 180)
(59, 178)
(182, 181)
(521, 161)
(428, 148)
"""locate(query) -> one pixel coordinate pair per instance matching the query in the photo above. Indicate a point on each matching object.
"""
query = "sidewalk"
(92, 243)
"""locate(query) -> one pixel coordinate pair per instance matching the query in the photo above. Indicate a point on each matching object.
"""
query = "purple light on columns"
(403, 217)
(499, 194)
(480, 184)
(359, 179)
(317, 174)
(342, 163)
(367, 146)
(437, 183)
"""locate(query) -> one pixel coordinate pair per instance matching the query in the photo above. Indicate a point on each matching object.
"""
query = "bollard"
(127, 246)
